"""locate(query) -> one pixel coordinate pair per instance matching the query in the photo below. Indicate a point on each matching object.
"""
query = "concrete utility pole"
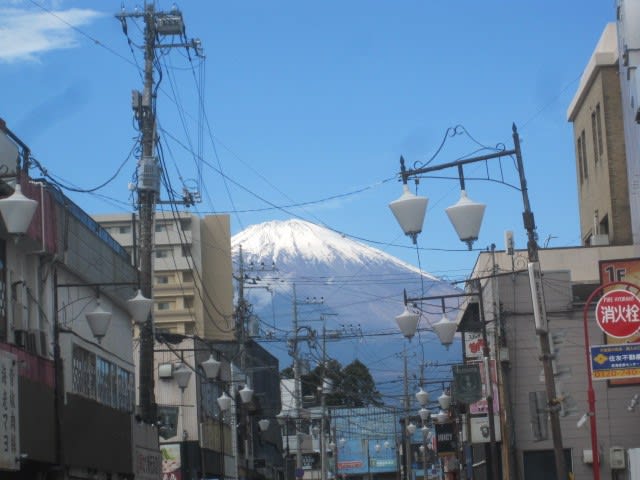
(156, 24)
(293, 351)
(546, 356)
(148, 193)
(296, 375)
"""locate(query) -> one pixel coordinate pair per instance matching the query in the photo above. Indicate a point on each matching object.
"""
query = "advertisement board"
(479, 429)
(615, 361)
(627, 270)
(481, 407)
(171, 461)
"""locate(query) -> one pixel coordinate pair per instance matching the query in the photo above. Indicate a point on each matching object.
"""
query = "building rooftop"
(604, 55)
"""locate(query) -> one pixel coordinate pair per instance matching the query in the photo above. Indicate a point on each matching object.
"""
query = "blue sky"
(313, 103)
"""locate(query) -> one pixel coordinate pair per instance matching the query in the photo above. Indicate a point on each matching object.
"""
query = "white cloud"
(25, 34)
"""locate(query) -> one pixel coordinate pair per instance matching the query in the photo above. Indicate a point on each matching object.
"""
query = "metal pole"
(591, 395)
(405, 433)
(368, 460)
(223, 473)
(323, 405)
(490, 412)
(296, 373)
(543, 336)
(58, 398)
(532, 248)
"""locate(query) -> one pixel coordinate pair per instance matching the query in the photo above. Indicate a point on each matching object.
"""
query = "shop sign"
(9, 415)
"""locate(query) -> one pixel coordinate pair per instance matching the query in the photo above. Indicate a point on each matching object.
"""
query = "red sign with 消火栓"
(618, 313)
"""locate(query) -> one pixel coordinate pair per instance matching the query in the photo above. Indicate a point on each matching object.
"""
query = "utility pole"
(323, 405)
(156, 24)
(323, 401)
(541, 327)
(296, 375)
(293, 351)
(148, 193)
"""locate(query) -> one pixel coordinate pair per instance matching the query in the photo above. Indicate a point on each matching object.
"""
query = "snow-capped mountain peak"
(280, 242)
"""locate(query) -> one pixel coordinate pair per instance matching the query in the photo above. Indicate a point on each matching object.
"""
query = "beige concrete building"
(570, 275)
(192, 277)
(601, 167)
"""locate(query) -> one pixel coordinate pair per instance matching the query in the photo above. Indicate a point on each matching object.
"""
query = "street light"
(445, 328)
(466, 216)
(99, 320)
(408, 323)
(422, 397)
(17, 211)
(447, 336)
(444, 401)
(263, 424)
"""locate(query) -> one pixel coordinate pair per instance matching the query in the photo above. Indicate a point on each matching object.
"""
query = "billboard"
(627, 270)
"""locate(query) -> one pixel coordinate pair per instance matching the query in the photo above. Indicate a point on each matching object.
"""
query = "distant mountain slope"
(356, 289)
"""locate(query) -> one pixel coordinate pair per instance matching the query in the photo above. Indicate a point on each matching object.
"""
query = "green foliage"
(351, 386)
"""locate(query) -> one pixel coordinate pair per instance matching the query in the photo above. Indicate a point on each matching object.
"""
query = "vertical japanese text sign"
(9, 428)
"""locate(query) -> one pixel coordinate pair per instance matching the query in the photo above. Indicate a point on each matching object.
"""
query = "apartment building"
(192, 271)
(601, 164)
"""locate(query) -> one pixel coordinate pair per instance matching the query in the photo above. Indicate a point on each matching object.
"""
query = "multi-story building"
(192, 271)
(193, 298)
(66, 363)
(601, 167)
(570, 276)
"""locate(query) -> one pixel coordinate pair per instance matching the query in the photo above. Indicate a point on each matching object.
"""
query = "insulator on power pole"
(149, 175)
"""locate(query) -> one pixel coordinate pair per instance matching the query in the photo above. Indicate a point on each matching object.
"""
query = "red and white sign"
(618, 313)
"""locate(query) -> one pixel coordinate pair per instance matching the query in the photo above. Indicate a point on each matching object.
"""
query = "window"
(599, 129)
(186, 251)
(541, 463)
(106, 382)
(96, 378)
(124, 229)
(162, 279)
(188, 302)
(604, 225)
(163, 306)
(594, 134)
(160, 227)
(582, 145)
(185, 224)
(83, 374)
(580, 167)
(163, 253)
(187, 277)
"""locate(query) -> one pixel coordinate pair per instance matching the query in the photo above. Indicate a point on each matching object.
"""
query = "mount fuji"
(299, 269)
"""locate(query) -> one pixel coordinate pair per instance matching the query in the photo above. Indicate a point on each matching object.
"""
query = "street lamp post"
(466, 217)
(445, 331)
(283, 421)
